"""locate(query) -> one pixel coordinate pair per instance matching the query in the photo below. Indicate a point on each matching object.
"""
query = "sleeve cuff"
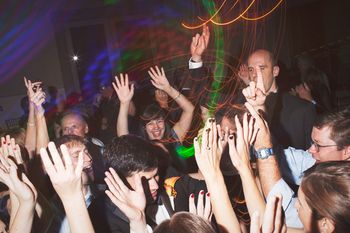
(194, 65)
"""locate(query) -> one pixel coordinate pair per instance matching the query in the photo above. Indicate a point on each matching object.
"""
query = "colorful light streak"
(218, 74)
(240, 16)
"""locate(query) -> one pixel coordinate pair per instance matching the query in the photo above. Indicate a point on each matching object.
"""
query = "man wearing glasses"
(330, 141)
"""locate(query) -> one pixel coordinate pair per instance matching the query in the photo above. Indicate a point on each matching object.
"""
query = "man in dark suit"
(135, 168)
(290, 118)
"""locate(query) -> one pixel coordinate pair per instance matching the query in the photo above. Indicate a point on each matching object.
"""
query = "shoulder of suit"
(292, 100)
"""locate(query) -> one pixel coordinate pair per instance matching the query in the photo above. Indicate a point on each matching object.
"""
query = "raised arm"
(160, 81)
(269, 173)
(30, 139)
(199, 44)
(42, 135)
(240, 157)
(67, 182)
(22, 195)
(125, 94)
(208, 160)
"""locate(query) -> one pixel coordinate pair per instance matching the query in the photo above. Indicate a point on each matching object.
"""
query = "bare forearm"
(42, 133)
(181, 100)
(184, 123)
(77, 215)
(24, 219)
(122, 121)
(14, 207)
(254, 200)
(30, 140)
(222, 208)
(269, 173)
(138, 226)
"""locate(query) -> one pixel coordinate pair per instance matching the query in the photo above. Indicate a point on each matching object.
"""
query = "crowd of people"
(266, 160)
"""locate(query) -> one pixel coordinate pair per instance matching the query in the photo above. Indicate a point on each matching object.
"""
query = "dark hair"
(70, 140)
(231, 111)
(184, 222)
(326, 187)
(339, 123)
(226, 166)
(153, 112)
(128, 154)
(314, 78)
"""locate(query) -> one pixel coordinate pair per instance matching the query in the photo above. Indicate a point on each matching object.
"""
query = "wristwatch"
(264, 153)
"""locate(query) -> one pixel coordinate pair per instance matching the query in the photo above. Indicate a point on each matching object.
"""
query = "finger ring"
(208, 147)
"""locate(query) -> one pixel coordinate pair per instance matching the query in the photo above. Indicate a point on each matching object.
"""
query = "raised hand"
(131, 202)
(273, 218)
(121, 87)
(201, 210)
(255, 93)
(207, 154)
(23, 189)
(199, 44)
(36, 95)
(31, 87)
(304, 92)
(263, 136)
(65, 179)
(10, 148)
(37, 100)
(159, 79)
(243, 73)
(239, 151)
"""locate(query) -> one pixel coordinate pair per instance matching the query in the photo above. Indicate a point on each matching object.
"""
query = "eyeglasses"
(318, 146)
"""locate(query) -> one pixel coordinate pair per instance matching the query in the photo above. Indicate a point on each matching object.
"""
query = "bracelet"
(177, 96)
(30, 124)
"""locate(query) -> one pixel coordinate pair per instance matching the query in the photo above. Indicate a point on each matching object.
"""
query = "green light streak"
(187, 152)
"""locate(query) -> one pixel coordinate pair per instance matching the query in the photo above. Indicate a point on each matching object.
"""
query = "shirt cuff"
(194, 65)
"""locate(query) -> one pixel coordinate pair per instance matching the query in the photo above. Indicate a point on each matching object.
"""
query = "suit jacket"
(108, 218)
(291, 119)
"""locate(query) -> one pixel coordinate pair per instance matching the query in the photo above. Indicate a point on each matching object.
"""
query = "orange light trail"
(235, 19)
(200, 25)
